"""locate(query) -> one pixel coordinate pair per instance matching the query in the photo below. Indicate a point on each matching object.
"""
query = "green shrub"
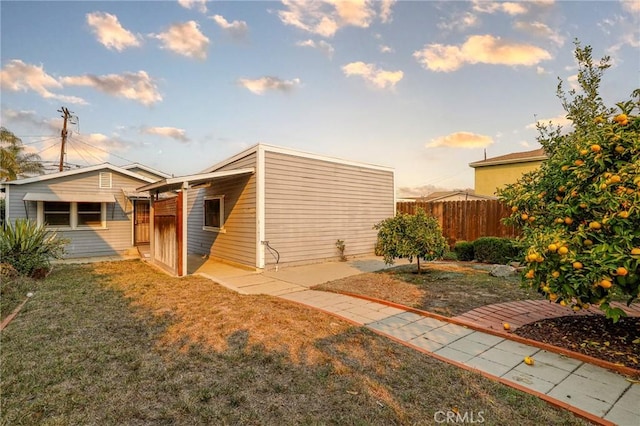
(494, 250)
(464, 250)
(450, 255)
(29, 248)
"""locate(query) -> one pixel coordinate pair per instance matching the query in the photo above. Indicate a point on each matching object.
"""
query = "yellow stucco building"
(496, 172)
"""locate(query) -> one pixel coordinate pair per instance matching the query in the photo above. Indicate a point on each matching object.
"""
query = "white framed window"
(214, 213)
(57, 213)
(72, 215)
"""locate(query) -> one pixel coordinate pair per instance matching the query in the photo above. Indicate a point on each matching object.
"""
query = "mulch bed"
(592, 335)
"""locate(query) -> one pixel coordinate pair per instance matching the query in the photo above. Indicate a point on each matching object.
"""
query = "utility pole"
(63, 134)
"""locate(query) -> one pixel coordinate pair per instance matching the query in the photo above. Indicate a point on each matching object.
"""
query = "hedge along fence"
(465, 220)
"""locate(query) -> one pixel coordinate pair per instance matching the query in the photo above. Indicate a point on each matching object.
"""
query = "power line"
(103, 150)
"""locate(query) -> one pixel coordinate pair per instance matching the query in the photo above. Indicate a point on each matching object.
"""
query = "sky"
(424, 87)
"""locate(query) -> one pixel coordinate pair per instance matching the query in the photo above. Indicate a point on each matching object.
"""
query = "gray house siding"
(238, 242)
(311, 203)
(117, 236)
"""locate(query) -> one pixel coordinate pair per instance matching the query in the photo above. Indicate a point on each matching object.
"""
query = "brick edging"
(13, 314)
(627, 371)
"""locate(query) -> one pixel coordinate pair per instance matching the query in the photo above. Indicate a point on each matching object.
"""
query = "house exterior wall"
(238, 241)
(114, 239)
(489, 178)
(310, 203)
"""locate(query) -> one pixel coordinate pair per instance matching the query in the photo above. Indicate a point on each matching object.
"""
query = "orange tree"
(408, 236)
(580, 211)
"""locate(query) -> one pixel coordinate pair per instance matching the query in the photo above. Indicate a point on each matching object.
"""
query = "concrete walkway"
(591, 391)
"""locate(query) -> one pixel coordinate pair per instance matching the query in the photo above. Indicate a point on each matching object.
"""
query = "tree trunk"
(419, 271)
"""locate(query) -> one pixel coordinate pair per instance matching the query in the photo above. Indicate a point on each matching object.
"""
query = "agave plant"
(29, 247)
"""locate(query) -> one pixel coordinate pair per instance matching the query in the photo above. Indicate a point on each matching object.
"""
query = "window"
(89, 214)
(214, 213)
(74, 215)
(57, 213)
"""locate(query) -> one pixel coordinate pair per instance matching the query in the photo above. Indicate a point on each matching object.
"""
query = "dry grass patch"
(203, 312)
(445, 288)
(120, 343)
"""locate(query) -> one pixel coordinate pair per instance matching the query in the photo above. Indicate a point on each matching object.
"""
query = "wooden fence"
(465, 220)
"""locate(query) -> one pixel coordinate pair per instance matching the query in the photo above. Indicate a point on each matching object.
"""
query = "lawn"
(121, 343)
(445, 288)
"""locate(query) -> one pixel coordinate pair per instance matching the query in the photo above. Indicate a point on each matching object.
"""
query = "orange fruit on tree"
(559, 220)
(596, 148)
(595, 225)
(564, 168)
(577, 265)
(555, 274)
(583, 152)
(514, 209)
(552, 248)
(622, 271)
(529, 274)
(605, 284)
(587, 242)
(563, 250)
(578, 162)
(524, 216)
(624, 214)
(621, 119)
(568, 220)
(616, 178)
(619, 149)
(635, 250)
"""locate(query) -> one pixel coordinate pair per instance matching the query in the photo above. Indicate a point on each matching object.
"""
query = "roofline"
(289, 151)
(483, 163)
(190, 178)
(80, 171)
(147, 168)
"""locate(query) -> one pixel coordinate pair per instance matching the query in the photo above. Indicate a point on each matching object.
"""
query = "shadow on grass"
(85, 351)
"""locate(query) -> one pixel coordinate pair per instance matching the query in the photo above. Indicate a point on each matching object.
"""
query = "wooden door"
(141, 224)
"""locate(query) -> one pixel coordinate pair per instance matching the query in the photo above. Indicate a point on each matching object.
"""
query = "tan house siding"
(117, 236)
(311, 203)
(489, 178)
(238, 242)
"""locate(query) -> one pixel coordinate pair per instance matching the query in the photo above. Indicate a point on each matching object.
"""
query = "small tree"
(580, 212)
(408, 236)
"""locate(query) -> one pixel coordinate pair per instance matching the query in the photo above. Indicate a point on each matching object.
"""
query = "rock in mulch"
(502, 271)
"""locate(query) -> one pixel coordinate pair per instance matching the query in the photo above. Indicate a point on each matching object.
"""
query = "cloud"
(510, 8)
(559, 120)
(31, 120)
(326, 17)
(321, 45)
(135, 86)
(110, 33)
(459, 22)
(385, 49)
(385, 10)
(263, 84)
(541, 30)
(169, 132)
(461, 140)
(19, 76)
(631, 6)
(379, 78)
(237, 29)
(200, 5)
(485, 49)
(184, 39)
(92, 148)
